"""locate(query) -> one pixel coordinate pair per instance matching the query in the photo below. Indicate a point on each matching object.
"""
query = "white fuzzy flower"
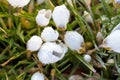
(88, 17)
(49, 34)
(18, 3)
(73, 40)
(34, 43)
(40, 1)
(50, 52)
(112, 41)
(61, 16)
(37, 76)
(43, 17)
(87, 58)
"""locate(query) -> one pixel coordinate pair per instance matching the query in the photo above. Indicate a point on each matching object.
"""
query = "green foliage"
(18, 25)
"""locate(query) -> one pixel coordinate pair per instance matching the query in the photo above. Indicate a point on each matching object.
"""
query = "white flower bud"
(110, 61)
(88, 17)
(61, 16)
(73, 40)
(34, 43)
(50, 52)
(18, 3)
(49, 34)
(40, 1)
(99, 37)
(112, 41)
(70, 2)
(43, 17)
(87, 58)
(37, 76)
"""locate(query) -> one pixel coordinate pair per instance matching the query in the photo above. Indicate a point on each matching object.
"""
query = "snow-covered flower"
(87, 58)
(112, 41)
(40, 1)
(43, 17)
(73, 40)
(49, 34)
(51, 52)
(18, 3)
(88, 17)
(37, 76)
(61, 16)
(34, 43)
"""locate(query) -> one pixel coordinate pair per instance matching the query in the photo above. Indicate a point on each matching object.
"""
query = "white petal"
(87, 57)
(34, 43)
(61, 16)
(50, 52)
(88, 17)
(37, 76)
(116, 27)
(18, 3)
(48, 34)
(73, 40)
(113, 41)
(43, 17)
(64, 47)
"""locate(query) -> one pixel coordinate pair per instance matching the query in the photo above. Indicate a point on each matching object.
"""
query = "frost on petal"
(48, 34)
(73, 40)
(18, 3)
(112, 41)
(37, 76)
(61, 16)
(50, 52)
(43, 17)
(34, 43)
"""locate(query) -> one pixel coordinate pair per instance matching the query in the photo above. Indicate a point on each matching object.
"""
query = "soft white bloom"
(37, 76)
(61, 16)
(18, 3)
(43, 17)
(73, 40)
(40, 1)
(112, 41)
(50, 52)
(88, 17)
(116, 28)
(49, 34)
(34, 43)
(87, 58)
